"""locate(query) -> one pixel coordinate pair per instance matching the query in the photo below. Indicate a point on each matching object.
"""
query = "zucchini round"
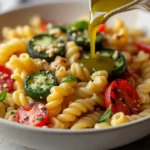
(78, 32)
(45, 46)
(38, 84)
(119, 60)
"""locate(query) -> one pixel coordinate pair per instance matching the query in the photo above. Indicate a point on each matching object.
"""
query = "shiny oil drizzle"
(99, 10)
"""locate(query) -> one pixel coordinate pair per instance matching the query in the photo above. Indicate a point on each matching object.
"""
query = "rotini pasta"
(98, 84)
(77, 108)
(72, 52)
(18, 32)
(87, 121)
(81, 72)
(57, 95)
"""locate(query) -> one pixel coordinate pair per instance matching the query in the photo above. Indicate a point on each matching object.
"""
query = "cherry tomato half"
(44, 25)
(101, 28)
(5, 79)
(141, 45)
(122, 96)
(35, 114)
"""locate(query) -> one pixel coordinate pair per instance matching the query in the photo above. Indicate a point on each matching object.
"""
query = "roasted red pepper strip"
(123, 97)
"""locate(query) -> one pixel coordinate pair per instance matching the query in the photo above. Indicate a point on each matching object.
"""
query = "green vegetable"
(119, 60)
(78, 32)
(45, 46)
(3, 96)
(38, 84)
(79, 25)
(69, 79)
(106, 115)
(62, 28)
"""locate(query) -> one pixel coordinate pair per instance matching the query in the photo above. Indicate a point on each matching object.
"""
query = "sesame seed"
(115, 55)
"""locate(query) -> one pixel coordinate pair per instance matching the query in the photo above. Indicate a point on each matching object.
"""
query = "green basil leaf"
(3, 95)
(106, 115)
(69, 79)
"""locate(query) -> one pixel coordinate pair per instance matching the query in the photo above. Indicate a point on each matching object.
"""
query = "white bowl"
(50, 139)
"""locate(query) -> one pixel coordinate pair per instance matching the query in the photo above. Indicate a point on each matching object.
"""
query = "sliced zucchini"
(119, 60)
(110, 60)
(59, 27)
(78, 32)
(38, 84)
(45, 46)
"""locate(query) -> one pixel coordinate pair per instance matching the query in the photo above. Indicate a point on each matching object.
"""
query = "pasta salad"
(46, 79)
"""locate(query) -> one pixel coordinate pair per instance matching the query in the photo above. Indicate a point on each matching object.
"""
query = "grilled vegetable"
(38, 84)
(46, 47)
(78, 32)
(119, 60)
(122, 96)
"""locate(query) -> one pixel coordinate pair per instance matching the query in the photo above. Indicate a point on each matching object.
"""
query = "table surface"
(143, 144)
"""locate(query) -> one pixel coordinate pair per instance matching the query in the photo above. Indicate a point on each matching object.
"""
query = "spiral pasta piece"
(81, 72)
(18, 32)
(118, 119)
(10, 114)
(102, 125)
(145, 70)
(8, 100)
(72, 52)
(77, 108)
(87, 121)
(144, 113)
(18, 81)
(14, 46)
(97, 85)
(55, 99)
(2, 110)
(61, 73)
(22, 64)
(20, 99)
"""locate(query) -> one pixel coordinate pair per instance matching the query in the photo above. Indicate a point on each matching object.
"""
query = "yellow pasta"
(10, 114)
(97, 85)
(87, 121)
(2, 110)
(55, 99)
(81, 72)
(20, 99)
(18, 32)
(72, 52)
(14, 46)
(118, 119)
(102, 125)
(77, 108)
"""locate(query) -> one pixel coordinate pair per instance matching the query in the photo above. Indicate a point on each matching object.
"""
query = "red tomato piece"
(101, 28)
(35, 114)
(44, 25)
(5, 80)
(122, 96)
(141, 45)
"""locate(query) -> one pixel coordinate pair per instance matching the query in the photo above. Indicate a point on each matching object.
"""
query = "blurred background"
(6, 5)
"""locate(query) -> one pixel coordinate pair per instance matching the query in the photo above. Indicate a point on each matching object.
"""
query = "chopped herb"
(26, 118)
(40, 118)
(106, 115)
(12, 113)
(3, 95)
(70, 79)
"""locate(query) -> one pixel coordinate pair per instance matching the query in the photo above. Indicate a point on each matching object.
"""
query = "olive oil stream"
(98, 12)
